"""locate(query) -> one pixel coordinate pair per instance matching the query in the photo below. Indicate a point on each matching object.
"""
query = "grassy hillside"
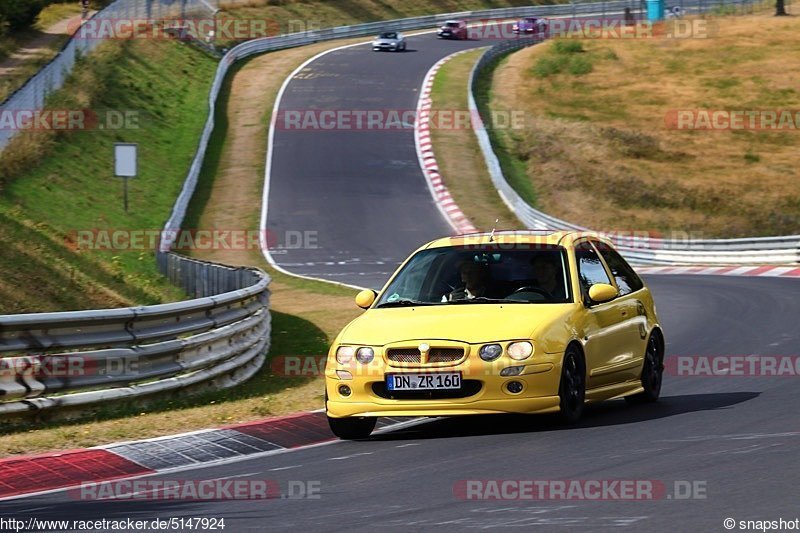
(54, 184)
(600, 127)
(328, 13)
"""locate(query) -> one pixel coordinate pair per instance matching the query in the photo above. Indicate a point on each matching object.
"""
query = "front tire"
(572, 389)
(652, 373)
(354, 428)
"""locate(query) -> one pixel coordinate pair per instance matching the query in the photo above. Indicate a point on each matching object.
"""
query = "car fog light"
(511, 371)
(365, 355)
(514, 387)
(344, 354)
(344, 390)
(520, 350)
(344, 374)
(490, 352)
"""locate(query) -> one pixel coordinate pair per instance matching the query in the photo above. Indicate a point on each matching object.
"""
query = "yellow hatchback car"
(507, 322)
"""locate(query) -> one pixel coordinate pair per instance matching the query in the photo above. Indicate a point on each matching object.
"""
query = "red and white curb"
(767, 271)
(52, 472)
(427, 161)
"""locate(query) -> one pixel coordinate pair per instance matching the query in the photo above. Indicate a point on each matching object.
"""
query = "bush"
(580, 65)
(547, 66)
(565, 46)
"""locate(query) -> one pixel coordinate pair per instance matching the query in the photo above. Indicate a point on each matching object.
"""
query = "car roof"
(552, 237)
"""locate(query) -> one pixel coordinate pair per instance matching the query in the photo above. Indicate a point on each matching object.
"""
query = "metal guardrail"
(86, 357)
(648, 251)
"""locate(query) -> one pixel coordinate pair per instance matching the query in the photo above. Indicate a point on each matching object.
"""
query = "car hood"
(385, 41)
(471, 323)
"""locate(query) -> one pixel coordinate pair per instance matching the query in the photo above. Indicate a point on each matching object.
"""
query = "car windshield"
(388, 35)
(451, 24)
(513, 273)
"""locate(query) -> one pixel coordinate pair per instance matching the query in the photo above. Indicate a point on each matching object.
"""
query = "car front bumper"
(484, 390)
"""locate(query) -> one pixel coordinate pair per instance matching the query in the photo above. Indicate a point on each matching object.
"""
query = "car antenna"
(491, 235)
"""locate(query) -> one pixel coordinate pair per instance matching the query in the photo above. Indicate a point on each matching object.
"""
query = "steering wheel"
(538, 290)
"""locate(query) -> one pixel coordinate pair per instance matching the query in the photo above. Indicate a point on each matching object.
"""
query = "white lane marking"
(235, 476)
(159, 489)
(34, 509)
(739, 451)
(284, 468)
(408, 445)
(741, 436)
(343, 457)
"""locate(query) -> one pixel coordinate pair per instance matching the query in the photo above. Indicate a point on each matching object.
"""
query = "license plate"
(427, 381)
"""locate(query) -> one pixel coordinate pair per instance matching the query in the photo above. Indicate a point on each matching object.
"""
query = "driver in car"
(546, 273)
(475, 277)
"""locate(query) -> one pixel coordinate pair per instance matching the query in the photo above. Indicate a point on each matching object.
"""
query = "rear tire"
(572, 389)
(652, 373)
(354, 428)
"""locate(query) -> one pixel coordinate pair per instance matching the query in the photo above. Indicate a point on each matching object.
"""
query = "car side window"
(590, 267)
(627, 280)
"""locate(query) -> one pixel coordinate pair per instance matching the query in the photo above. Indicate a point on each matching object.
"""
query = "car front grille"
(435, 355)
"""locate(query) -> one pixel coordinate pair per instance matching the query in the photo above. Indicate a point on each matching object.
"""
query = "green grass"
(514, 168)
(67, 183)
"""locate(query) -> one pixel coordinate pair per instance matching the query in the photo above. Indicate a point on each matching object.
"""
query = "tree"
(780, 8)
(16, 15)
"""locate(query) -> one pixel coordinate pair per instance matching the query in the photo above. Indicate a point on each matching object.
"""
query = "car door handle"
(624, 313)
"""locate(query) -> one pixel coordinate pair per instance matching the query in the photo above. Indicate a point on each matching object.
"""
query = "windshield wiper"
(402, 303)
(483, 300)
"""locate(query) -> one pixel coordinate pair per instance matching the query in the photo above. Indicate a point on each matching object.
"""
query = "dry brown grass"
(599, 153)
(460, 160)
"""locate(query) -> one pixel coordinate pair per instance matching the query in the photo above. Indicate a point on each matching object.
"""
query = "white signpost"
(125, 165)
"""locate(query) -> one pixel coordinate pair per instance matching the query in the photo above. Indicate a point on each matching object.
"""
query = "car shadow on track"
(608, 413)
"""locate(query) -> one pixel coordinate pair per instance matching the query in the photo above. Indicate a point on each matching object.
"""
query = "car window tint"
(626, 278)
(590, 268)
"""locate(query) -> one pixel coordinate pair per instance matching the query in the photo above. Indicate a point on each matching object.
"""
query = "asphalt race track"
(360, 195)
(735, 438)
(739, 437)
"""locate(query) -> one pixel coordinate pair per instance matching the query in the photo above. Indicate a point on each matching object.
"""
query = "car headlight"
(520, 350)
(490, 352)
(344, 354)
(365, 355)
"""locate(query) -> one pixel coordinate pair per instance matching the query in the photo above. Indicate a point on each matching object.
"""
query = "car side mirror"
(602, 292)
(365, 298)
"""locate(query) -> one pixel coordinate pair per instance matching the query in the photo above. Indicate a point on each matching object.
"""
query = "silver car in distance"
(389, 40)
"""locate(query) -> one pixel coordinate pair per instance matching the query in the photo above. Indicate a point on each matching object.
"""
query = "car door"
(634, 324)
(603, 323)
